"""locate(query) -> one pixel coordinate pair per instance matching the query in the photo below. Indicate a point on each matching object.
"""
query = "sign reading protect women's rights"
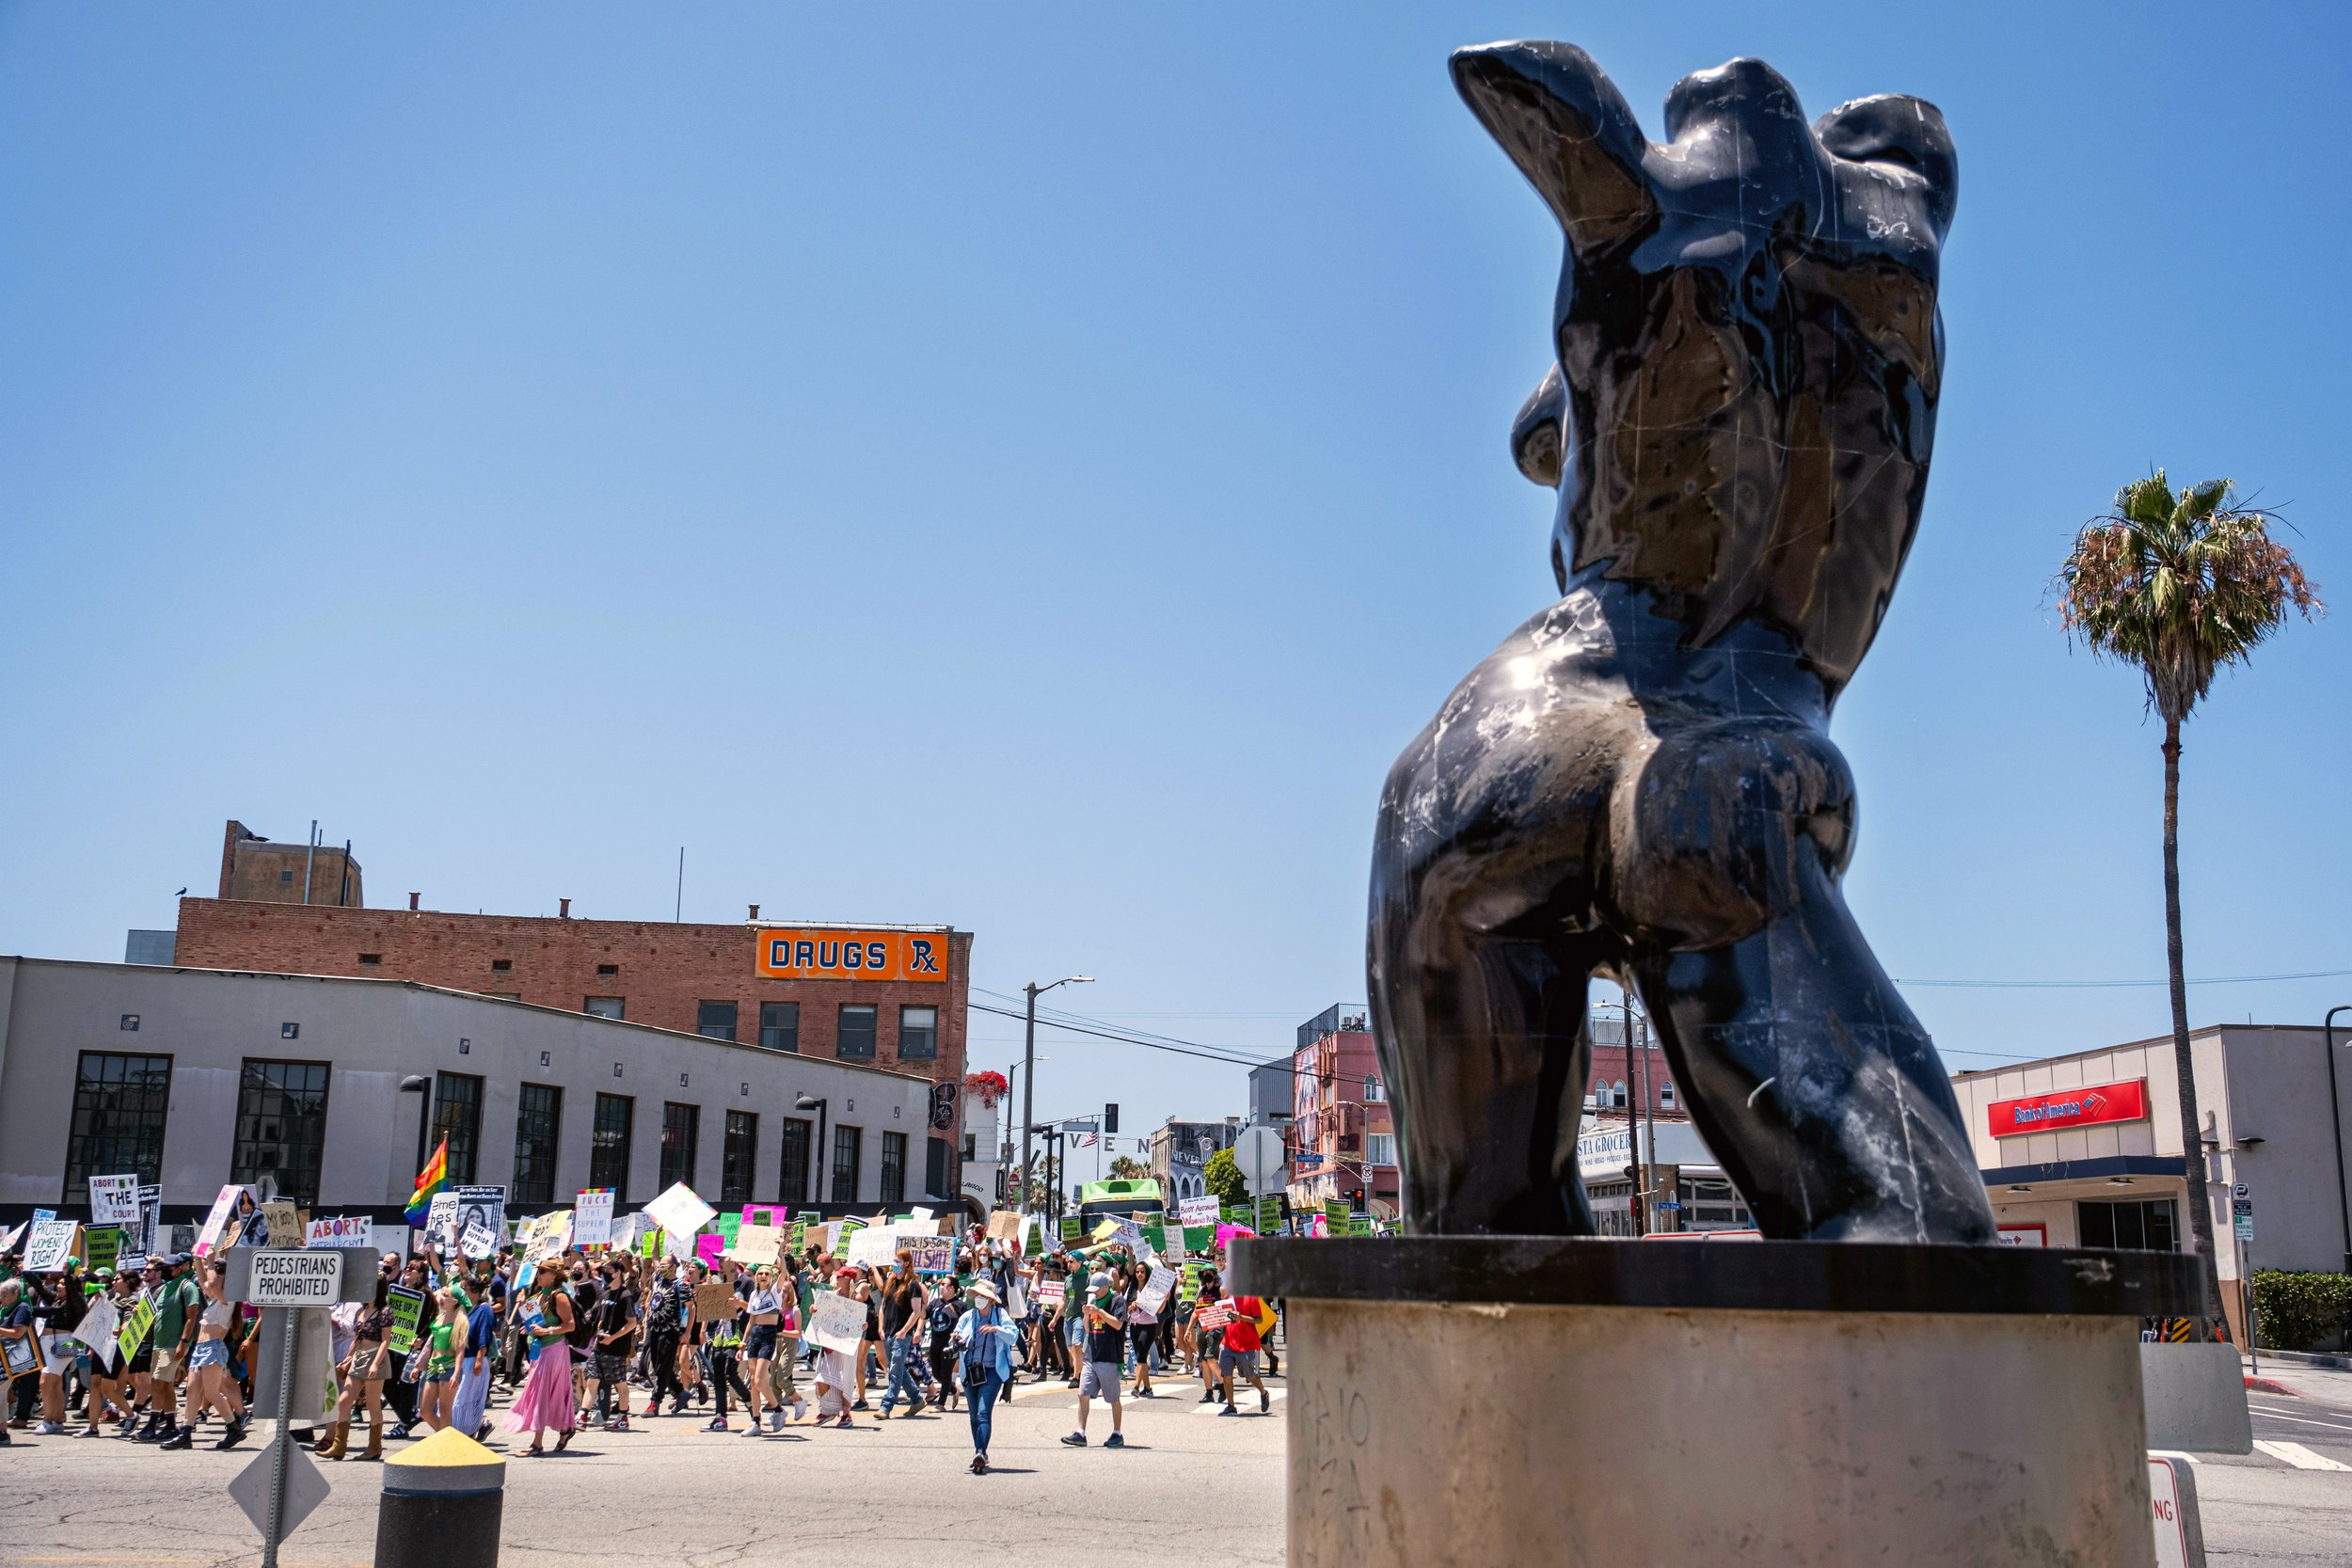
(50, 1243)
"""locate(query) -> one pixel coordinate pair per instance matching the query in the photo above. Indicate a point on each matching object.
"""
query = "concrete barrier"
(2196, 1396)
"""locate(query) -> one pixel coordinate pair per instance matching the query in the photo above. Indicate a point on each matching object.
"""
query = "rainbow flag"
(429, 1180)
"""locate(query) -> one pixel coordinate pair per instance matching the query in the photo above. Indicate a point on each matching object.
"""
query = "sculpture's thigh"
(1482, 938)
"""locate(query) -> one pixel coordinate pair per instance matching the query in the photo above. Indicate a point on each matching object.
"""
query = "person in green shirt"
(177, 1302)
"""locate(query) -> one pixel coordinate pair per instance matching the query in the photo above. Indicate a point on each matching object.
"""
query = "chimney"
(755, 914)
(563, 908)
(412, 899)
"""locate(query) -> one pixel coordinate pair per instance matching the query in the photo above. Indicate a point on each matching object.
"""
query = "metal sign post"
(279, 1490)
(2242, 1222)
(281, 1446)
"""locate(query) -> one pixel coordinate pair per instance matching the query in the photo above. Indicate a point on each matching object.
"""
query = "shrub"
(2296, 1311)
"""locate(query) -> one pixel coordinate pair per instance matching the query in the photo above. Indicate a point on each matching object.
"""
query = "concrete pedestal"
(1494, 1400)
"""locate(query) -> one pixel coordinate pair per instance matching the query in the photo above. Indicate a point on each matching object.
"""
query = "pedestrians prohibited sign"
(297, 1278)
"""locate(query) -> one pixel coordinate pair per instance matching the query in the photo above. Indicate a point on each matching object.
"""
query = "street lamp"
(417, 1085)
(812, 1103)
(1029, 1086)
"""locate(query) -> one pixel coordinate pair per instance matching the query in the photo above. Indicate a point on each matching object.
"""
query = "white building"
(984, 1171)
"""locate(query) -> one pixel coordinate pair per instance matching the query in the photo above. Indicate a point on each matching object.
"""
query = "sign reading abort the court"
(844, 954)
(307, 1277)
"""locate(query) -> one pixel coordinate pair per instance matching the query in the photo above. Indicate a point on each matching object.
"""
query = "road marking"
(2174, 1453)
(2306, 1421)
(2297, 1455)
(1212, 1408)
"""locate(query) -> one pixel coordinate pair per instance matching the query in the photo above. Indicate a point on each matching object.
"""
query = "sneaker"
(858, 1405)
(716, 1423)
(775, 1420)
(800, 1409)
(94, 1430)
(1265, 1402)
(751, 1430)
(1075, 1440)
(50, 1428)
(1228, 1410)
(1114, 1441)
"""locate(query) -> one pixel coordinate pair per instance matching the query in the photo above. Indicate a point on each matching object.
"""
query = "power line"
(2121, 984)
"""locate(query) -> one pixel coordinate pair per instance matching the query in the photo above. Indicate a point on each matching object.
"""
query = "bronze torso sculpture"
(1640, 782)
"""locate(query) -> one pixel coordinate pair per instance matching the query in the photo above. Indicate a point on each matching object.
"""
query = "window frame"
(738, 1156)
(802, 1132)
(929, 1033)
(894, 1166)
(678, 1154)
(245, 1152)
(711, 1029)
(841, 1031)
(620, 1007)
(524, 1188)
(464, 1153)
(609, 1149)
(81, 1146)
(780, 1031)
(852, 1138)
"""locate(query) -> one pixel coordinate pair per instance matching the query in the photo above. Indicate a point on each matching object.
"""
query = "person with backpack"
(984, 1338)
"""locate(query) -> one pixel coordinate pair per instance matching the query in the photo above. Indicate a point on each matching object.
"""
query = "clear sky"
(1033, 467)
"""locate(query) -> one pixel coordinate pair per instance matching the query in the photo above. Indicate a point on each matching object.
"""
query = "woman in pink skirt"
(547, 1396)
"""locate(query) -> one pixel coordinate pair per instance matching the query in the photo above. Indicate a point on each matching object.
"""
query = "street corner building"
(285, 1029)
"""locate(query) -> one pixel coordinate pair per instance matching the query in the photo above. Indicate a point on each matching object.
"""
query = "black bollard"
(441, 1505)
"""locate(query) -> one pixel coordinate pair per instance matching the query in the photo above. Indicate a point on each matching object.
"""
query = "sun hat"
(985, 1287)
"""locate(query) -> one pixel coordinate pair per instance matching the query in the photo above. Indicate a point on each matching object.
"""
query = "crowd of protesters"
(571, 1341)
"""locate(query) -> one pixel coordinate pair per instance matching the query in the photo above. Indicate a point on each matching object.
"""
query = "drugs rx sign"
(297, 1278)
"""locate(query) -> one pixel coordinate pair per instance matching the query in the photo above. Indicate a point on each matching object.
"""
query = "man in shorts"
(1238, 1354)
(177, 1304)
(1105, 1316)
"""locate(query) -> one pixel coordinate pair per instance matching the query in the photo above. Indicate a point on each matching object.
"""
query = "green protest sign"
(1070, 1227)
(1269, 1215)
(101, 1244)
(408, 1308)
(136, 1323)
(800, 1233)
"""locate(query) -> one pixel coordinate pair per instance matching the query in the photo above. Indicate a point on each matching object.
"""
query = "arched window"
(1616, 1093)
(1666, 1095)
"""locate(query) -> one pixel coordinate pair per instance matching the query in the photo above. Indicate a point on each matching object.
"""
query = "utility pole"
(1634, 1125)
(1649, 1102)
(1029, 1078)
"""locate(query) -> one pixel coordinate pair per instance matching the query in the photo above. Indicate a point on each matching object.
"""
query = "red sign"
(2089, 1107)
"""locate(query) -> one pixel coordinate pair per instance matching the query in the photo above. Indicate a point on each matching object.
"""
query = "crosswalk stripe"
(1212, 1407)
(2297, 1455)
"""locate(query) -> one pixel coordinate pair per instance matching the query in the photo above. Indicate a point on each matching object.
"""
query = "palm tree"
(2177, 586)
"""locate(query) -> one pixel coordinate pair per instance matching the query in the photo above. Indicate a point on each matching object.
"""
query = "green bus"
(1119, 1200)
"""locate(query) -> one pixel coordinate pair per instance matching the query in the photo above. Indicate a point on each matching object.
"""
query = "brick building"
(893, 997)
(255, 868)
(1341, 1140)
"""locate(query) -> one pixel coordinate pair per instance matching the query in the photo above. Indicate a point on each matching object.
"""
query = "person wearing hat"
(177, 1302)
(1103, 1314)
(59, 1301)
(983, 1338)
(109, 1379)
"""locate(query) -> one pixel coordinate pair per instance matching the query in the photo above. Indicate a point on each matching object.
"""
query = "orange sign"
(839, 954)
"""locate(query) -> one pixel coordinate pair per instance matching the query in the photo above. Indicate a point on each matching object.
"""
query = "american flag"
(1083, 1140)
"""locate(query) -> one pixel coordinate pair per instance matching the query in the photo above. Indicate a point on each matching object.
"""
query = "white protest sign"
(592, 1217)
(341, 1230)
(1197, 1211)
(680, 1212)
(115, 1200)
(296, 1278)
(1155, 1294)
(836, 1322)
(485, 1207)
(217, 1220)
(874, 1244)
(50, 1244)
(440, 1219)
(477, 1240)
(98, 1328)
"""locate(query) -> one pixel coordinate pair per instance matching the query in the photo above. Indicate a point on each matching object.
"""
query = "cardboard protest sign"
(280, 1226)
(49, 1245)
(757, 1244)
(550, 1233)
(592, 1217)
(485, 1207)
(931, 1253)
(874, 1244)
(114, 1200)
(407, 1310)
(98, 1328)
(1005, 1226)
(679, 1210)
(136, 1324)
(102, 1247)
(714, 1299)
(1154, 1292)
(341, 1230)
(836, 1322)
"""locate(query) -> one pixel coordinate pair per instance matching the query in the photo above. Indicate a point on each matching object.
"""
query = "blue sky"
(1033, 469)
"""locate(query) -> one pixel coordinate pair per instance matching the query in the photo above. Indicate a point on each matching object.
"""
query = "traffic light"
(1110, 1118)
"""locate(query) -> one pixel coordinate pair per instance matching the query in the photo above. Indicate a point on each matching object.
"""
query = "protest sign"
(1214, 1315)
(836, 1322)
(1197, 1211)
(650, 1243)
(800, 1233)
(98, 1328)
(483, 1206)
(136, 1324)
(931, 1253)
(1005, 1224)
(407, 1310)
(476, 1240)
(1269, 1217)
(1154, 1292)
(726, 1225)
(714, 1299)
(1047, 1293)
(12, 1241)
(679, 1211)
(102, 1247)
(233, 1203)
(592, 1217)
(49, 1245)
(341, 1230)
(550, 1233)
(874, 1244)
(150, 1218)
(757, 1244)
(1129, 1235)
(279, 1227)
(1070, 1227)
(114, 1200)
(440, 1219)
(763, 1213)
(709, 1250)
